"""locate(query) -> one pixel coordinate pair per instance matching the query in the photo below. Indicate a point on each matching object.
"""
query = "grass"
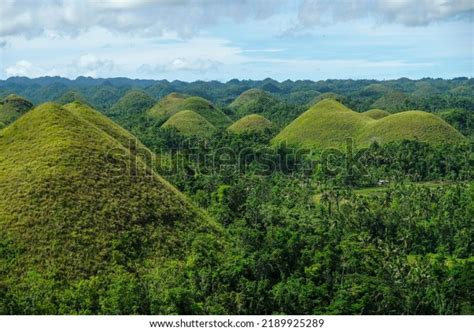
(392, 101)
(71, 96)
(133, 102)
(253, 101)
(189, 123)
(12, 107)
(377, 190)
(175, 103)
(252, 122)
(329, 123)
(87, 203)
(326, 95)
(414, 125)
(376, 114)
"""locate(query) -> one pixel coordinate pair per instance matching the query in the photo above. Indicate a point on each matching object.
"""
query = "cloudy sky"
(246, 39)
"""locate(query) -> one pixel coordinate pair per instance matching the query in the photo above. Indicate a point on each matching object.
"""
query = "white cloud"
(91, 65)
(181, 64)
(21, 68)
(405, 12)
(184, 18)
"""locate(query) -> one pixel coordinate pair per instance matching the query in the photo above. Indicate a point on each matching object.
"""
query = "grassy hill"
(175, 102)
(82, 217)
(326, 95)
(392, 101)
(12, 107)
(376, 114)
(415, 125)
(189, 123)
(105, 96)
(253, 101)
(253, 122)
(71, 96)
(329, 124)
(134, 101)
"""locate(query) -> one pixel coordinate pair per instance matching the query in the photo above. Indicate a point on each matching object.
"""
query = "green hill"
(253, 101)
(392, 101)
(71, 96)
(189, 123)
(329, 124)
(12, 107)
(326, 95)
(414, 125)
(82, 217)
(133, 102)
(175, 102)
(253, 122)
(105, 96)
(376, 114)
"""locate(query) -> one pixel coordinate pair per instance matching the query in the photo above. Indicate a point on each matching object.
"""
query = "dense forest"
(150, 205)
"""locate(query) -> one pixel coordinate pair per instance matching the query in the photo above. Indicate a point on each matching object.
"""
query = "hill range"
(329, 124)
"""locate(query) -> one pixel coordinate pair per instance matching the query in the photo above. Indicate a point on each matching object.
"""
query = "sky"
(244, 39)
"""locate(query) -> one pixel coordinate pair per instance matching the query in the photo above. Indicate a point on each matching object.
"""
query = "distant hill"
(253, 101)
(12, 107)
(376, 113)
(252, 122)
(134, 101)
(329, 124)
(413, 125)
(176, 102)
(105, 96)
(189, 123)
(326, 95)
(71, 96)
(81, 213)
(393, 101)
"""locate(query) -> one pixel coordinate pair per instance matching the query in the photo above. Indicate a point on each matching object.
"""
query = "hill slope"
(253, 101)
(253, 122)
(414, 125)
(329, 124)
(189, 123)
(92, 209)
(376, 114)
(175, 102)
(133, 102)
(12, 107)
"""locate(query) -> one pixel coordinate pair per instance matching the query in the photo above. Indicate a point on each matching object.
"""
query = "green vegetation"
(330, 124)
(376, 114)
(189, 123)
(415, 125)
(96, 221)
(326, 95)
(461, 119)
(82, 220)
(12, 107)
(71, 96)
(393, 101)
(175, 102)
(253, 101)
(133, 102)
(252, 122)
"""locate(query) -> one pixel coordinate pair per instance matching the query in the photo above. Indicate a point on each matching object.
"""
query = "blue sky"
(211, 39)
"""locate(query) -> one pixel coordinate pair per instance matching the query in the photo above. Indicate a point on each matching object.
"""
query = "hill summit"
(12, 107)
(253, 101)
(97, 213)
(176, 102)
(189, 123)
(252, 122)
(329, 124)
